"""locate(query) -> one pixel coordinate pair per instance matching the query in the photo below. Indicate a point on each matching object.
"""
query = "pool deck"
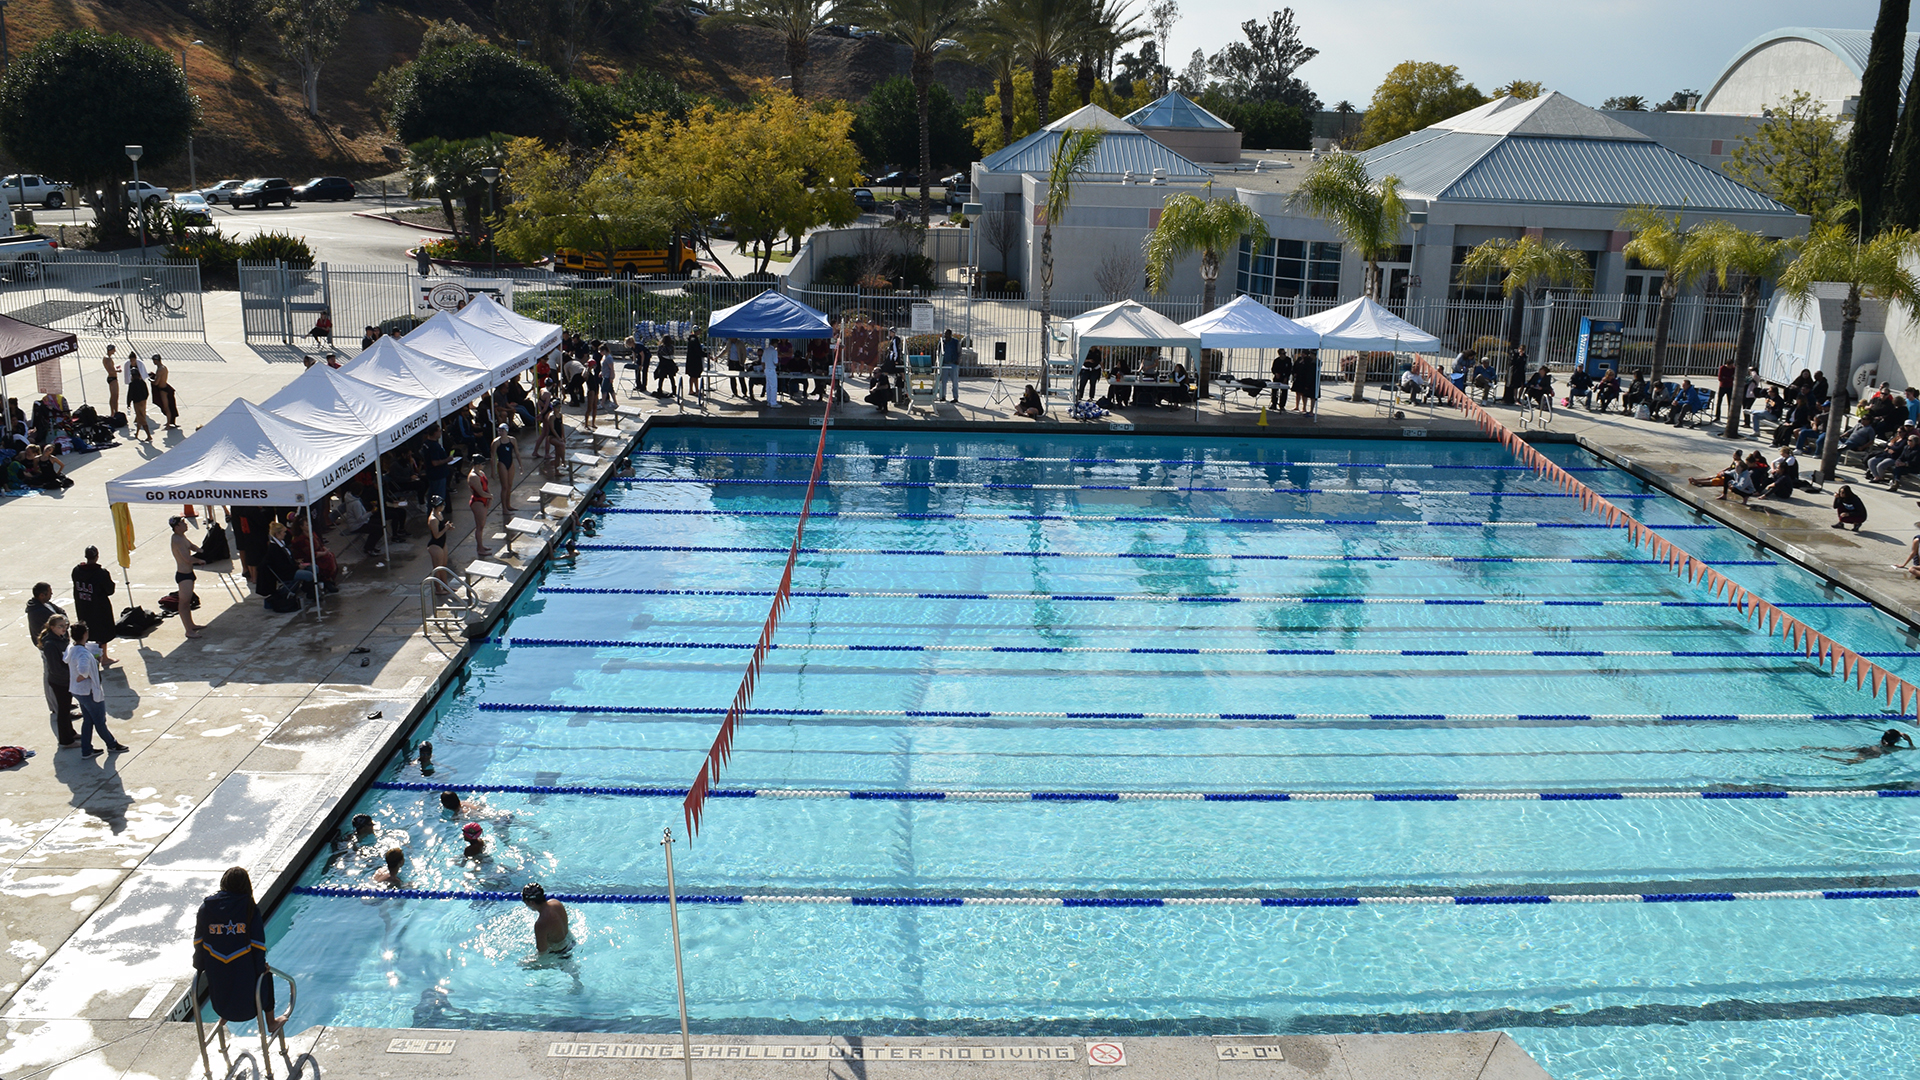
(249, 739)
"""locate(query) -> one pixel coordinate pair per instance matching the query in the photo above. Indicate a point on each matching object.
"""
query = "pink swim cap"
(472, 830)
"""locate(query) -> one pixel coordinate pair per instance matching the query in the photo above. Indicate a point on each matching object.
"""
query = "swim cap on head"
(534, 894)
(472, 830)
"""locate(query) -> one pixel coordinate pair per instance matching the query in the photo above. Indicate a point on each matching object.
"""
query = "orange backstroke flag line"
(722, 748)
(1831, 654)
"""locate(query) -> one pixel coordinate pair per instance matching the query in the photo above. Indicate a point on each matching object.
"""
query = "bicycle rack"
(296, 1068)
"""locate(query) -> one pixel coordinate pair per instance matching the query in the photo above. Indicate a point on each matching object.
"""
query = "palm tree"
(794, 20)
(1105, 29)
(1659, 243)
(1526, 264)
(1367, 212)
(1756, 259)
(1876, 269)
(1345, 110)
(992, 48)
(1044, 32)
(1071, 157)
(920, 25)
(1188, 224)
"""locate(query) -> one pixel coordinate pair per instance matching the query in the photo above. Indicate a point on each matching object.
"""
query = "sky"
(1587, 49)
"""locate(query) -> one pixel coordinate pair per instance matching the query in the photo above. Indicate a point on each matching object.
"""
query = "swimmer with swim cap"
(476, 845)
(550, 924)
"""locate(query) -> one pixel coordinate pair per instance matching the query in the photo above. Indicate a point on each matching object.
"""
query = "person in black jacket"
(93, 601)
(1282, 377)
(230, 946)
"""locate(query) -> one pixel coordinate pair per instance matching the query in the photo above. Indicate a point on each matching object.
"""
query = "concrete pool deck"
(247, 740)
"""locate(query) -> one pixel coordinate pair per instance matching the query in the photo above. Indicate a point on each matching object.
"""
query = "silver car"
(220, 191)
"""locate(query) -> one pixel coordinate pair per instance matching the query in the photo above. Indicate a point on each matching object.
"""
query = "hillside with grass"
(255, 123)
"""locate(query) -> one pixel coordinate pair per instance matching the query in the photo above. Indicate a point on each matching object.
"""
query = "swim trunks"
(183, 575)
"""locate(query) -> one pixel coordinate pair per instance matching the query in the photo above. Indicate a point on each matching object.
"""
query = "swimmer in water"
(426, 759)
(1890, 741)
(476, 843)
(362, 828)
(391, 875)
(550, 921)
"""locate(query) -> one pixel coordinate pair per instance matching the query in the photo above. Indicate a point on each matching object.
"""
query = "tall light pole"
(973, 212)
(140, 206)
(193, 179)
(490, 174)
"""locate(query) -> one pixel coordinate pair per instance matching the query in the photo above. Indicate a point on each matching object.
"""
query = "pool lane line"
(934, 795)
(1115, 598)
(1173, 462)
(963, 485)
(1128, 519)
(956, 714)
(1288, 901)
(1551, 559)
(618, 643)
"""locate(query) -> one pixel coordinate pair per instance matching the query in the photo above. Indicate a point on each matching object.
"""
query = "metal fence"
(109, 299)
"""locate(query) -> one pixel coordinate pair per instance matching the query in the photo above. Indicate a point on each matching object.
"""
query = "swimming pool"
(1016, 766)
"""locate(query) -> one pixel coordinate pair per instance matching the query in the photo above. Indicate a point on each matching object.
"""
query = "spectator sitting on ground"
(1721, 478)
(1030, 404)
(1784, 477)
(1746, 482)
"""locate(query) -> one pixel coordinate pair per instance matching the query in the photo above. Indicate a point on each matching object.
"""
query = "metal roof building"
(1826, 63)
(1178, 123)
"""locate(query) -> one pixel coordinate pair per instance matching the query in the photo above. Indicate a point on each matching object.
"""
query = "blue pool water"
(968, 619)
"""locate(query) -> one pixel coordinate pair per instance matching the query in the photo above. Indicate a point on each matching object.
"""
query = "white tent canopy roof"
(463, 343)
(324, 398)
(1364, 326)
(1127, 323)
(394, 366)
(484, 312)
(1246, 323)
(247, 457)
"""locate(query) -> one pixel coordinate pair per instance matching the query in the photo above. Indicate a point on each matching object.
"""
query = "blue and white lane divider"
(1156, 598)
(1123, 650)
(1146, 796)
(986, 714)
(1290, 901)
(747, 455)
(1404, 523)
(1561, 560)
(965, 485)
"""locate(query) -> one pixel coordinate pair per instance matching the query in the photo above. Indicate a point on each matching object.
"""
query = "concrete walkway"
(245, 741)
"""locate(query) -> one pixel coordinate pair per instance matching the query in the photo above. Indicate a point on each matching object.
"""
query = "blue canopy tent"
(769, 315)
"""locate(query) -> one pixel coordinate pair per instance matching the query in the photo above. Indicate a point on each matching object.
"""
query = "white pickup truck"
(22, 253)
(28, 188)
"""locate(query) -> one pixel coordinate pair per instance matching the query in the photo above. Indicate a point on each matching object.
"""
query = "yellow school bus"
(630, 262)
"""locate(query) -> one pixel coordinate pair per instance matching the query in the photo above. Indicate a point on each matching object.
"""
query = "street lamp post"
(140, 208)
(193, 178)
(491, 174)
(972, 212)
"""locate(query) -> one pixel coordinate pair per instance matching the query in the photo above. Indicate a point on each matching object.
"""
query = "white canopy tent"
(392, 365)
(324, 398)
(1246, 323)
(248, 457)
(447, 338)
(1127, 323)
(1364, 326)
(487, 314)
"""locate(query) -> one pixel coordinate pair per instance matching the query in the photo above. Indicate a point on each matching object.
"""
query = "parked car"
(898, 179)
(863, 198)
(29, 188)
(192, 208)
(22, 254)
(959, 193)
(330, 188)
(261, 190)
(221, 191)
(141, 193)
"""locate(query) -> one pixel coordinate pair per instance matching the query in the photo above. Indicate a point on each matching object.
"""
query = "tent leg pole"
(380, 496)
(313, 548)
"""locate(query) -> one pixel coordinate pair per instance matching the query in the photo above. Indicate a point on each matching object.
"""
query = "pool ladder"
(245, 1066)
(460, 600)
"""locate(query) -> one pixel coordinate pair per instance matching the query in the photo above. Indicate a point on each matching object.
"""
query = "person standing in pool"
(549, 923)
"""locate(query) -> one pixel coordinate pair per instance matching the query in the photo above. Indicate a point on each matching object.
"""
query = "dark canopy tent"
(22, 345)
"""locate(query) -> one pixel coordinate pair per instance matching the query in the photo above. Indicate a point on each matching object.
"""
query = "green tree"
(986, 126)
(585, 201)
(1414, 95)
(1900, 202)
(1520, 90)
(887, 126)
(1107, 27)
(992, 48)
(1367, 212)
(777, 167)
(1753, 259)
(468, 91)
(1660, 243)
(1627, 103)
(1878, 111)
(1262, 67)
(1072, 156)
(1044, 35)
(1190, 224)
(921, 25)
(107, 91)
(1681, 101)
(1792, 157)
(1876, 269)
(309, 31)
(449, 170)
(1522, 266)
(795, 21)
(230, 23)
(600, 108)
(1263, 125)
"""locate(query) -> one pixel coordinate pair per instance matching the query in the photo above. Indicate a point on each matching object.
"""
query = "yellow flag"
(123, 534)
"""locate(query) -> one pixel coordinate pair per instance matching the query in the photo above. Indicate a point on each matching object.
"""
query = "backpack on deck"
(214, 547)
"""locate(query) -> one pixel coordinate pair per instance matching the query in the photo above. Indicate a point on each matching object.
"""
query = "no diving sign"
(1106, 1053)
